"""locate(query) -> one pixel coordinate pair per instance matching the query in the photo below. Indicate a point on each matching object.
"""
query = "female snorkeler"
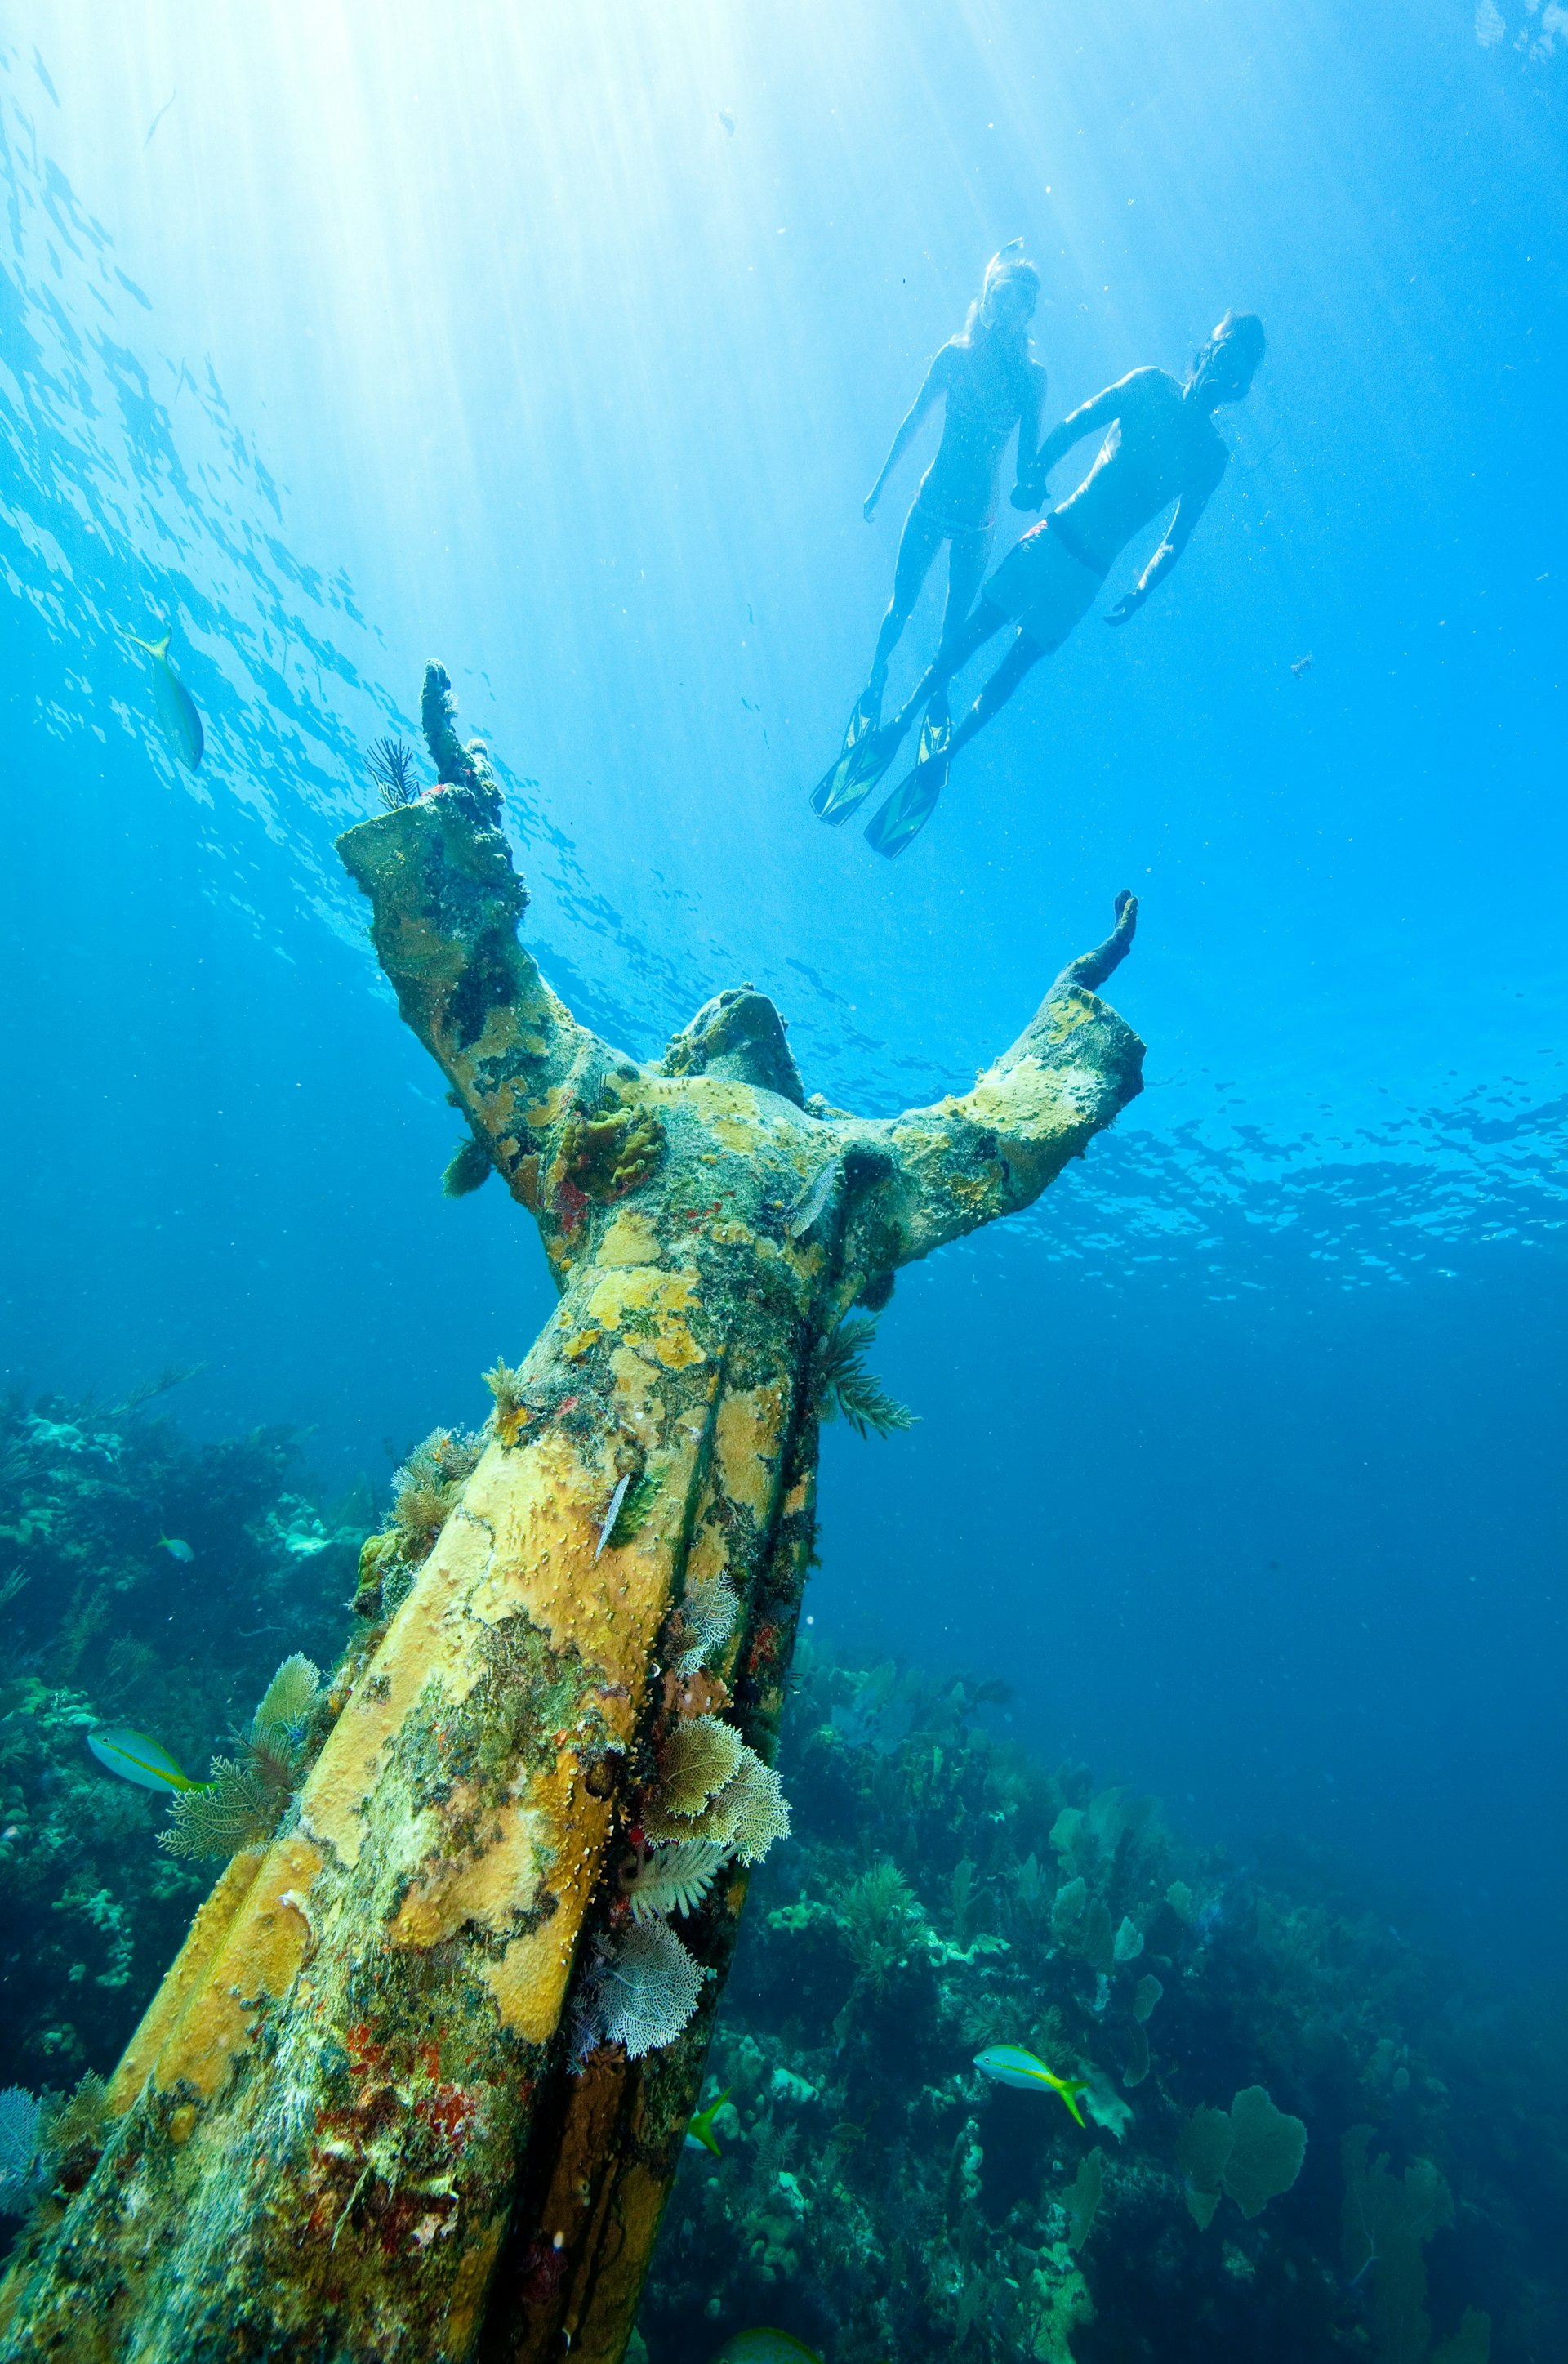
(988, 385)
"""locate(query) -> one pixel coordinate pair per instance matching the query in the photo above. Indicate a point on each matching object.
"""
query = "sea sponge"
(606, 1156)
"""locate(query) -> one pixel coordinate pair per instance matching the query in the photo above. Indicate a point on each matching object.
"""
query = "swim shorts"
(1043, 587)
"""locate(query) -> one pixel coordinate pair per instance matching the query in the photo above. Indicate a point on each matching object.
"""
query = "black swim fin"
(899, 822)
(860, 764)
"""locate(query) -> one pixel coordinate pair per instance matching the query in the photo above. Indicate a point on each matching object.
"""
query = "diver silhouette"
(1161, 446)
(988, 385)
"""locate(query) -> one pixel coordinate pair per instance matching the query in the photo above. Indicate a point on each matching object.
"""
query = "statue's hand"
(1028, 496)
(868, 506)
(1126, 608)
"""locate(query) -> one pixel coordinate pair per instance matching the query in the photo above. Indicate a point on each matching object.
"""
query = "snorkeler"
(1163, 446)
(988, 385)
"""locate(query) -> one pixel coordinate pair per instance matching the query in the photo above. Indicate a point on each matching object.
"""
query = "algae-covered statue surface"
(417, 2082)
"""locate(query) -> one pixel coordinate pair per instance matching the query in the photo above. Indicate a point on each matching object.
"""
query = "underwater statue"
(418, 2082)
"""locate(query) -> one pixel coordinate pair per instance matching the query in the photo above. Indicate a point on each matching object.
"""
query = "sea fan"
(843, 1383)
(390, 763)
(709, 1613)
(697, 1759)
(648, 1990)
(76, 2120)
(20, 2163)
(237, 1808)
(292, 1696)
(746, 1815)
(880, 1915)
(676, 1878)
(426, 1487)
(757, 1809)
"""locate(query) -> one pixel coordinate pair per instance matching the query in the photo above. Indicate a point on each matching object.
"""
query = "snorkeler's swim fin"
(860, 764)
(897, 823)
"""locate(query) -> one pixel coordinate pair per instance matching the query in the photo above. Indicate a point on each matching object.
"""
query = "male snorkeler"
(1163, 446)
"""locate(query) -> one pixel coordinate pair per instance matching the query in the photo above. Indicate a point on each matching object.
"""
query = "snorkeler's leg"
(918, 548)
(967, 554)
(900, 819)
(950, 658)
(867, 751)
(1021, 659)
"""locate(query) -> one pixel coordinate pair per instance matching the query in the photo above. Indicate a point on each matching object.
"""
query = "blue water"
(347, 337)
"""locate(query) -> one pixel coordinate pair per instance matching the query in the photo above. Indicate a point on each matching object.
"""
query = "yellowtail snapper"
(136, 1758)
(699, 2131)
(1009, 2064)
(177, 716)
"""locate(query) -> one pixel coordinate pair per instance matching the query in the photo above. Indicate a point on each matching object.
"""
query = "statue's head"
(737, 1035)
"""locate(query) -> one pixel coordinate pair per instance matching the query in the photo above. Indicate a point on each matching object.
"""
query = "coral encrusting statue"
(348, 2126)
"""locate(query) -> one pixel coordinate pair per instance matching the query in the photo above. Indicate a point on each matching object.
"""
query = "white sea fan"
(758, 1809)
(19, 2181)
(676, 1878)
(648, 1990)
(709, 1613)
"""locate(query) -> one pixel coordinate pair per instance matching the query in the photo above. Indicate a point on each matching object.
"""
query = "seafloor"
(942, 1892)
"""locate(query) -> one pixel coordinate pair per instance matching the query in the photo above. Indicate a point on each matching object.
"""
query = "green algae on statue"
(347, 2124)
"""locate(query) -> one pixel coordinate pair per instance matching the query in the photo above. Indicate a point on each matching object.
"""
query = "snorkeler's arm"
(935, 385)
(1178, 533)
(1029, 411)
(1101, 411)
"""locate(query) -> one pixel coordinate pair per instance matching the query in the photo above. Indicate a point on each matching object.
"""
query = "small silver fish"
(811, 1202)
(177, 1548)
(612, 1514)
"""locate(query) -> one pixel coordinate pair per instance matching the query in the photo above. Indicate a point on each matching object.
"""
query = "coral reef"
(877, 2198)
(942, 1892)
(106, 1625)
